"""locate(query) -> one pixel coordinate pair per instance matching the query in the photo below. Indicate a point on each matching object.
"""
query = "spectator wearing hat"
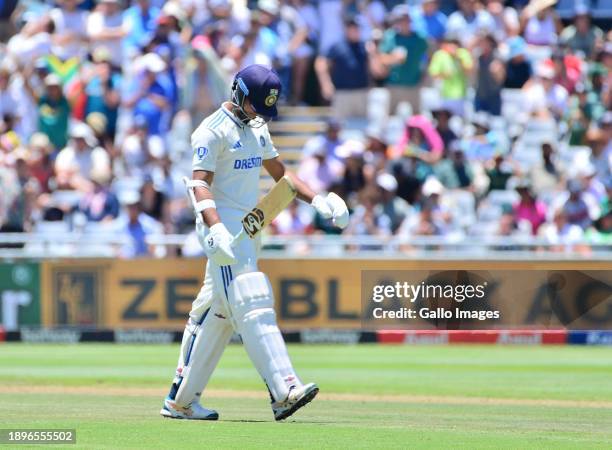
(452, 65)
(421, 140)
(528, 208)
(106, 29)
(404, 54)
(135, 226)
(469, 22)
(317, 168)
(343, 73)
(77, 160)
(394, 208)
(518, 68)
(582, 36)
(540, 23)
(353, 177)
(99, 204)
(491, 75)
(53, 110)
(69, 39)
(546, 98)
(499, 171)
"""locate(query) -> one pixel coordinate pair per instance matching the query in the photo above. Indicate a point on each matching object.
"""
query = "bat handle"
(238, 238)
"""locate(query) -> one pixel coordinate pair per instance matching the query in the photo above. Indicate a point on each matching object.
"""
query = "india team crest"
(272, 97)
(253, 222)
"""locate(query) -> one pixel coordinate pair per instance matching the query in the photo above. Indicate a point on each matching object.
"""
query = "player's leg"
(206, 335)
(252, 305)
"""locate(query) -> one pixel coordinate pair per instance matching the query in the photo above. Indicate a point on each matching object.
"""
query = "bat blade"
(270, 206)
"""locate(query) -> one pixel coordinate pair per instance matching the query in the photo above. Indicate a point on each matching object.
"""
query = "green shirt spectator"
(452, 65)
(410, 72)
(53, 120)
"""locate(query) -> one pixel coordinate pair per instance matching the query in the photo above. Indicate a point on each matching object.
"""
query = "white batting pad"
(201, 349)
(252, 304)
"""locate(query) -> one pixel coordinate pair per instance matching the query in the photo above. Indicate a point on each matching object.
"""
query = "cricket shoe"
(298, 397)
(195, 411)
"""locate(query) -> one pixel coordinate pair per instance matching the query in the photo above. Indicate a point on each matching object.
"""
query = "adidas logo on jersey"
(237, 145)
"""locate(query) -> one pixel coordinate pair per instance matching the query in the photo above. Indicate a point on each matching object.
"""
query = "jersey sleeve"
(207, 147)
(269, 149)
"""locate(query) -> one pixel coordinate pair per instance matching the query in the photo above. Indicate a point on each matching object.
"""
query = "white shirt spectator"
(101, 23)
(69, 22)
(468, 30)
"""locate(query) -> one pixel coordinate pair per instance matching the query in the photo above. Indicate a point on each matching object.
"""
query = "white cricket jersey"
(235, 153)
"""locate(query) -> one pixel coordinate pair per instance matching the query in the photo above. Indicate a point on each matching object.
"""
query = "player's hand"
(332, 207)
(217, 244)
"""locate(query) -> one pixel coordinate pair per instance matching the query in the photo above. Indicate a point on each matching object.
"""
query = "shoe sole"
(168, 415)
(300, 403)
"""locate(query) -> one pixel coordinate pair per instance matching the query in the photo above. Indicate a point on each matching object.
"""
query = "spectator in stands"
(576, 209)
(81, 155)
(423, 222)
(529, 209)
(560, 232)
(367, 219)
(491, 75)
(140, 20)
(19, 210)
(53, 110)
(292, 221)
(320, 170)
(40, 160)
(10, 96)
(153, 202)
(455, 172)
(582, 36)
(545, 175)
(428, 19)
(506, 19)
(404, 53)
(106, 29)
(568, 69)
(602, 152)
(343, 73)
(442, 117)
(601, 231)
(420, 140)
(518, 69)
(69, 39)
(100, 204)
(135, 226)
(540, 23)
(151, 100)
(499, 171)
(469, 22)
(354, 168)
(393, 207)
(102, 91)
(546, 98)
(452, 64)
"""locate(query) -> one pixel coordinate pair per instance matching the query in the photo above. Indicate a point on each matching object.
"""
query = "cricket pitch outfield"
(371, 396)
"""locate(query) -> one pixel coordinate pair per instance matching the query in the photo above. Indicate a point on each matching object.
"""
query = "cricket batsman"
(230, 147)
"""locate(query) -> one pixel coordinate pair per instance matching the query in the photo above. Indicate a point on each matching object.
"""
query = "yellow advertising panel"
(309, 293)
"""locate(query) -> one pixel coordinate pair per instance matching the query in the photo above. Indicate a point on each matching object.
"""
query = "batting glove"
(332, 207)
(217, 244)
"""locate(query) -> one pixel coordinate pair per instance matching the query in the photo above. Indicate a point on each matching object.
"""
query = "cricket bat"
(270, 206)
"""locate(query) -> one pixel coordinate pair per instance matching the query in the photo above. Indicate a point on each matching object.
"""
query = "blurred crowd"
(451, 118)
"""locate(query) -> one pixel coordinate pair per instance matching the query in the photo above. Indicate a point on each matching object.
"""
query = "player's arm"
(202, 193)
(330, 206)
(277, 170)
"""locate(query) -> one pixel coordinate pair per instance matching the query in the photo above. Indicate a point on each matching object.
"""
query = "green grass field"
(371, 397)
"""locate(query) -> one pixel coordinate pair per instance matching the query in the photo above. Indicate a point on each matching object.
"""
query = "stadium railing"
(75, 245)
